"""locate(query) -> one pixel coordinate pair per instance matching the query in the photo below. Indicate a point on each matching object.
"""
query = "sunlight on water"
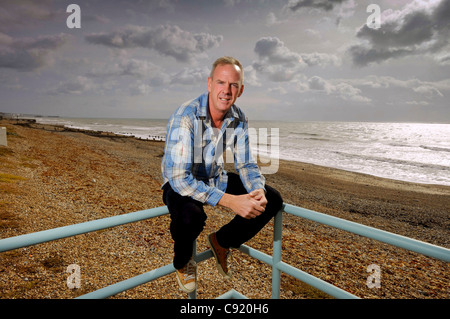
(413, 152)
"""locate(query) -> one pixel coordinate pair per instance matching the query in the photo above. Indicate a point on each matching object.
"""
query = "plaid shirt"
(193, 161)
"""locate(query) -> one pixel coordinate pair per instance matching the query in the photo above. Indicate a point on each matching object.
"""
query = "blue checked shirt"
(194, 153)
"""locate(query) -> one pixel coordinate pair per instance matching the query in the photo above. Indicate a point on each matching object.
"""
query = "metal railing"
(278, 266)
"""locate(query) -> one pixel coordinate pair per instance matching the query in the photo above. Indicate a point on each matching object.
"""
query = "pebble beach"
(51, 176)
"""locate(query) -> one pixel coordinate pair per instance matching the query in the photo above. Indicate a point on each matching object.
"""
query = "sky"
(304, 60)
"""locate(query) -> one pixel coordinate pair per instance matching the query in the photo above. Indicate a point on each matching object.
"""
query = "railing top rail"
(418, 246)
(421, 247)
(77, 229)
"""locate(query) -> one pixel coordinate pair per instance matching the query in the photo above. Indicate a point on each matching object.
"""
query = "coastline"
(59, 176)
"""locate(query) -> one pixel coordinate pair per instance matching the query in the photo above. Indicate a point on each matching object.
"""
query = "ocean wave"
(303, 133)
(317, 139)
(394, 161)
(435, 148)
(306, 136)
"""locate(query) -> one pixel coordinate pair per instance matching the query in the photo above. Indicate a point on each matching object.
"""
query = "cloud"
(251, 76)
(152, 74)
(95, 18)
(139, 76)
(326, 5)
(271, 19)
(443, 59)
(339, 88)
(426, 92)
(319, 84)
(419, 28)
(131, 67)
(320, 59)
(189, 76)
(231, 3)
(274, 51)
(281, 64)
(342, 9)
(167, 40)
(276, 61)
(416, 85)
(27, 54)
(78, 85)
(21, 14)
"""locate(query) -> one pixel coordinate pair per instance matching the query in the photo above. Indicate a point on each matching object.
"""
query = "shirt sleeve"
(178, 163)
(245, 163)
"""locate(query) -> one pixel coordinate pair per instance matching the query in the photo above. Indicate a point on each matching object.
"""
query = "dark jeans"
(188, 220)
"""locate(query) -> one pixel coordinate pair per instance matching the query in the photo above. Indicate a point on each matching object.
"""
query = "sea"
(413, 152)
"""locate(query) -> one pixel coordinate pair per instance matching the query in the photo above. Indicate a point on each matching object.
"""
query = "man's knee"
(274, 200)
(192, 216)
(187, 215)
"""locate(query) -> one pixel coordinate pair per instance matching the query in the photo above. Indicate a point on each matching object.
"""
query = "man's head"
(225, 85)
(228, 60)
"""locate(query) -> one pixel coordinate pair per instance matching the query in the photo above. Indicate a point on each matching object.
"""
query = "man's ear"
(242, 90)
(209, 84)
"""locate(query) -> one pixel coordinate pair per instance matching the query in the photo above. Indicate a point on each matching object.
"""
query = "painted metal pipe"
(129, 283)
(275, 260)
(256, 254)
(297, 273)
(77, 229)
(370, 232)
(315, 282)
(232, 294)
(276, 254)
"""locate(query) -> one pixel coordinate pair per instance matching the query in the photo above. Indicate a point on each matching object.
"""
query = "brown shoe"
(221, 255)
(187, 276)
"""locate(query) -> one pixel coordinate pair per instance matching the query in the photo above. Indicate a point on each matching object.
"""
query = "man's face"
(224, 87)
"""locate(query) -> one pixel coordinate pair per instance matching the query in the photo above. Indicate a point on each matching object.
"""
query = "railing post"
(276, 254)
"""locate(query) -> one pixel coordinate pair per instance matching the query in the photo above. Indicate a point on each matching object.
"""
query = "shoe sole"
(219, 268)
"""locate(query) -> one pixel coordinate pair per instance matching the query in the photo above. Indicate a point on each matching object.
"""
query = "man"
(193, 172)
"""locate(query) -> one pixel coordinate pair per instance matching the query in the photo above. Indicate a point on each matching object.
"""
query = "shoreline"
(73, 176)
(32, 123)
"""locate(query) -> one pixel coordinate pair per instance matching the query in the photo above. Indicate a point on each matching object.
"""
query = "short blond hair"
(227, 60)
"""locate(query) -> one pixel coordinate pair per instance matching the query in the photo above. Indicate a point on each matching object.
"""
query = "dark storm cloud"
(21, 14)
(275, 51)
(417, 29)
(326, 5)
(168, 40)
(282, 64)
(27, 54)
(275, 60)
